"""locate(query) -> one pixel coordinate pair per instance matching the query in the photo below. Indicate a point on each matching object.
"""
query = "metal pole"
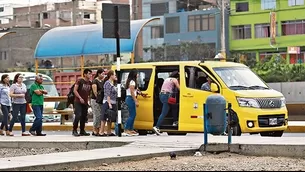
(229, 126)
(36, 66)
(118, 56)
(223, 35)
(205, 126)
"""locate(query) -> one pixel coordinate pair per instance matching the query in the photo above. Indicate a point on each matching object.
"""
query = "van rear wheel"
(272, 134)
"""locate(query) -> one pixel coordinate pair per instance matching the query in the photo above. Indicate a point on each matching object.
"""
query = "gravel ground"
(13, 152)
(211, 162)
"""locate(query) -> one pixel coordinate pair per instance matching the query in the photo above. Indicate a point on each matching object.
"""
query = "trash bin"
(215, 114)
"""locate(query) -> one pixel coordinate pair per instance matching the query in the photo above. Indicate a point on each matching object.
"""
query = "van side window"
(142, 80)
(197, 77)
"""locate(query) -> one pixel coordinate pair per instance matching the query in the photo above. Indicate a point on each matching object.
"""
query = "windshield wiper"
(258, 87)
(239, 87)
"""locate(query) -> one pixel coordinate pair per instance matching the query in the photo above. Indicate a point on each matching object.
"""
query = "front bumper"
(262, 119)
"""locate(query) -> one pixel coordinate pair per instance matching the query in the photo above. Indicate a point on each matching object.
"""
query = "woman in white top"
(131, 101)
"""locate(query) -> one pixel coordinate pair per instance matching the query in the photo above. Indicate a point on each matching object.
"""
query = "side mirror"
(214, 88)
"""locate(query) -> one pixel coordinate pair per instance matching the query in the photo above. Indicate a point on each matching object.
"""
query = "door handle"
(188, 95)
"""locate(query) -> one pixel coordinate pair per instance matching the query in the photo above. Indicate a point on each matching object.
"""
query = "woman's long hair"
(132, 76)
(16, 78)
(100, 71)
(2, 79)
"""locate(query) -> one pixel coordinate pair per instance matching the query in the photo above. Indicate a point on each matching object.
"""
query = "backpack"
(28, 96)
(71, 95)
(100, 94)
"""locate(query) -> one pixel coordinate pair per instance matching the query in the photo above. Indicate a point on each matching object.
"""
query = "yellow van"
(260, 109)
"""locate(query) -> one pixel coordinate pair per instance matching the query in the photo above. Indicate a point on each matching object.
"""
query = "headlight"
(283, 102)
(246, 102)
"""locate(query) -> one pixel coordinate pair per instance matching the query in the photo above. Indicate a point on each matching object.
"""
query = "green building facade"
(249, 28)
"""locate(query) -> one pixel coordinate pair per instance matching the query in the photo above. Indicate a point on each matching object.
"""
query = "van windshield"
(240, 78)
(52, 91)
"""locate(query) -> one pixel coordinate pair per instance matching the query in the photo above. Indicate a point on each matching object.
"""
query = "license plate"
(272, 121)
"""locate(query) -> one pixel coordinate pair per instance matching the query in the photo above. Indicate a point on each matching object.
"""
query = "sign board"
(109, 20)
(293, 50)
(272, 28)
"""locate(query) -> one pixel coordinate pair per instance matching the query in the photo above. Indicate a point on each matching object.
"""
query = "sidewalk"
(293, 126)
(141, 147)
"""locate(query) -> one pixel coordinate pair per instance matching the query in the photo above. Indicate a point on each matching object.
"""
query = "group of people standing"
(14, 96)
(101, 95)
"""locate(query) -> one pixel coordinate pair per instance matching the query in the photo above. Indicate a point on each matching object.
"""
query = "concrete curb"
(83, 145)
(67, 127)
(96, 162)
(294, 151)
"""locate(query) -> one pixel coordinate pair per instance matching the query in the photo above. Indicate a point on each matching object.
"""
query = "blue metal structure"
(84, 40)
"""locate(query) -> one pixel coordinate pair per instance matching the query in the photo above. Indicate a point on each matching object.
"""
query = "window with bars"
(294, 27)
(159, 9)
(201, 23)
(241, 32)
(263, 30)
(295, 2)
(268, 4)
(172, 24)
(157, 32)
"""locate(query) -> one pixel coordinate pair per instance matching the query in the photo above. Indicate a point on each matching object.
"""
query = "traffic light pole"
(118, 56)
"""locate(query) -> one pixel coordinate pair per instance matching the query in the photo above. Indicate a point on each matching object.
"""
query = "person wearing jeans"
(166, 90)
(17, 92)
(5, 101)
(82, 91)
(132, 102)
(37, 91)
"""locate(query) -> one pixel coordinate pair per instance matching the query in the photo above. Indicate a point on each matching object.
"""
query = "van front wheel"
(272, 134)
(236, 131)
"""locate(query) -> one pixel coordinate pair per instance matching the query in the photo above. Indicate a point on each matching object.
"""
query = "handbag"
(111, 115)
(172, 99)
(28, 108)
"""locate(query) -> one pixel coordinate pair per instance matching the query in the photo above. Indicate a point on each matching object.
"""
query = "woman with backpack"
(5, 101)
(97, 97)
(109, 108)
(17, 92)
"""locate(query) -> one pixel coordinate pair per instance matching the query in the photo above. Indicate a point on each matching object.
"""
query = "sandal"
(112, 134)
(102, 135)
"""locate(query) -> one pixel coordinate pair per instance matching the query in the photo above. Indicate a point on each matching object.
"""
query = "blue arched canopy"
(84, 40)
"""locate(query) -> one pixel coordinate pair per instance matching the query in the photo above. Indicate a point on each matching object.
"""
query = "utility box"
(215, 114)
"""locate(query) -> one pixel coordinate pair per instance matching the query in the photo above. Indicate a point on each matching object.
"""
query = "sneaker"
(40, 134)
(175, 124)
(125, 134)
(8, 133)
(33, 133)
(75, 133)
(25, 134)
(156, 130)
(84, 133)
(1, 133)
(134, 133)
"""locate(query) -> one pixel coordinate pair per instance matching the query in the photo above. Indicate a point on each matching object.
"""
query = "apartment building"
(265, 27)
